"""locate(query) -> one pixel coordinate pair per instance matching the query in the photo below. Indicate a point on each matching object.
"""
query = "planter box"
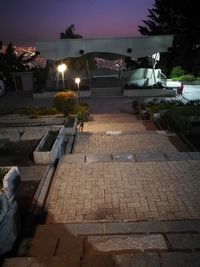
(9, 223)
(10, 182)
(49, 157)
(72, 130)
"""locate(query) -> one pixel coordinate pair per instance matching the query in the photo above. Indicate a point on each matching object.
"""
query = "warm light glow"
(62, 67)
(77, 80)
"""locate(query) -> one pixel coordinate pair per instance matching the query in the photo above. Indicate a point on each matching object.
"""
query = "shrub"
(65, 102)
(187, 77)
(36, 111)
(82, 113)
(177, 71)
(176, 121)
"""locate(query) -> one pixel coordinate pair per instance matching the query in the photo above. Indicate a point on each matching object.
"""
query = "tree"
(181, 19)
(70, 33)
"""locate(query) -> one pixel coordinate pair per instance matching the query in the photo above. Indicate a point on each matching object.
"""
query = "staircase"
(106, 86)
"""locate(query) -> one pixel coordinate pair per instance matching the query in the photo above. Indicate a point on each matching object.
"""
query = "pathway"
(128, 176)
(126, 197)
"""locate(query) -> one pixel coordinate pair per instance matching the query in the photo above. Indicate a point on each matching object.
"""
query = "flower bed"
(50, 148)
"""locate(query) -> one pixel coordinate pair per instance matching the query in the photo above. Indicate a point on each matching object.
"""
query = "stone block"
(70, 245)
(135, 227)
(98, 158)
(123, 157)
(71, 158)
(174, 259)
(184, 241)
(120, 243)
(61, 230)
(43, 262)
(150, 157)
(177, 156)
(194, 155)
(38, 247)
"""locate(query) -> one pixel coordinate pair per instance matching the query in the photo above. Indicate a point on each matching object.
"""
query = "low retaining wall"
(47, 95)
(149, 92)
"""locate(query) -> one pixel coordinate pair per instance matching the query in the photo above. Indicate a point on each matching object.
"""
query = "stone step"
(51, 246)
(126, 157)
(165, 259)
(71, 261)
(126, 244)
(124, 228)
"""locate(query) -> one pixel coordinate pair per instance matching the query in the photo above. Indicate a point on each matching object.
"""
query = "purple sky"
(28, 21)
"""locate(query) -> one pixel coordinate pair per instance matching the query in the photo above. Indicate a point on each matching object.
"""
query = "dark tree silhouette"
(70, 33)
(180, 18)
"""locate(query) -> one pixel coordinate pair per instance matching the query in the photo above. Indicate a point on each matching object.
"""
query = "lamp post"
(77, 81)
(62, 68)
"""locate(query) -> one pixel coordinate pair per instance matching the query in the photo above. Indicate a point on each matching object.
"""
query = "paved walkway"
(106, 190)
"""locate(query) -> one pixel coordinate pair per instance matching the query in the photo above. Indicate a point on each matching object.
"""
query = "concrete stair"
(138, 244)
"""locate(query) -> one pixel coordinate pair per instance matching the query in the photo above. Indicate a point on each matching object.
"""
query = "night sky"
(27, 21)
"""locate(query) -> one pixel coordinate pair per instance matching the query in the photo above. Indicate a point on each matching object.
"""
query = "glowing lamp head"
(62, 67)
(77, 80)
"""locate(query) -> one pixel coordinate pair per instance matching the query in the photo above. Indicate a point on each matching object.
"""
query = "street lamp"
(77, 81)
(62, 68)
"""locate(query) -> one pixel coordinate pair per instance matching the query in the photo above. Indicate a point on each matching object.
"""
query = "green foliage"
(38, 111)
(65, 102)
(82, 112)
(155, 107)
(176, 121)
(187, 77)
(50, 139)
(177, 72)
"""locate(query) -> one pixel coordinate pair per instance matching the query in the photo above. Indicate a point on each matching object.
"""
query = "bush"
(187, 77)
(176, 72)
(176, 121)
(65, 102)
(36, 111)
(82, 113)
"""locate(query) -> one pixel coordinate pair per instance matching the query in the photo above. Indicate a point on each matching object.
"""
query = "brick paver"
(125, 191)
(101, 143)
(116, 126)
